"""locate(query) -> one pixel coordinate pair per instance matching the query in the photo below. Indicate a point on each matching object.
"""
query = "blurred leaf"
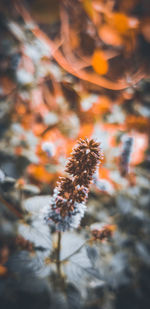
(99, 62)
(110, 35)
(35, 204)
(78, 264)
(120, 22)
(73, 297)
(38, 234)
(92, 254)
(29, 266)
(7, 183)
(32, 189)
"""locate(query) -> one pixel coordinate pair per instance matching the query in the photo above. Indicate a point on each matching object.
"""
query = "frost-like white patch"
(2, 176)
(71, 125)
(98, 225)
(31, 139)
(70, 221)
(31, 188)
(32, 52)
(60, 100)
(35, 204)
(101, 136)
(117, 115)
(56, 71)
(30, 25)
(25, 95)
(49, 148)
(29, 154)
(87, 102)
(16, 30)
(50, 118)
(142, 110)
(24, 77)
(17, 128)
(104, 185)
(37, 50)
(115, 176)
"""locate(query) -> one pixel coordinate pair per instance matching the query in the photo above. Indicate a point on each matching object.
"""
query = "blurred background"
(72, 69)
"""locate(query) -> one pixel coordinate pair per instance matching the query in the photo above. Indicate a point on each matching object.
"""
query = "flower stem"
(58, 253)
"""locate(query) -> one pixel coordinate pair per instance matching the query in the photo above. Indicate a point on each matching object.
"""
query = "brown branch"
(11, 208)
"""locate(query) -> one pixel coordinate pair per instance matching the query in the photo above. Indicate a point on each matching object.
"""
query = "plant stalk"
(58, 253)
(11, 208)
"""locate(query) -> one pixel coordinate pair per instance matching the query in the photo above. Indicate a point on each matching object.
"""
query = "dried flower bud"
(84, 160)
(24, 243)
(104, 233)
(68, 203)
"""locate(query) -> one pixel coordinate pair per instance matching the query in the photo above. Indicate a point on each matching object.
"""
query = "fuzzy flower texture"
(68, 201)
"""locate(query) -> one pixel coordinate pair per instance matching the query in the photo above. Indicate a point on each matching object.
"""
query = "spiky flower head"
(68, 202)
(83, 161)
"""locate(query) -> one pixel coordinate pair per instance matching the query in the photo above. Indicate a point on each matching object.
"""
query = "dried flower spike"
(125, 155)
(104, 233)
(68, 202)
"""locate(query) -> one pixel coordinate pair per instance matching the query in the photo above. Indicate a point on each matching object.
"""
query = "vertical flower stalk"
(125, 156)
(68, 202)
